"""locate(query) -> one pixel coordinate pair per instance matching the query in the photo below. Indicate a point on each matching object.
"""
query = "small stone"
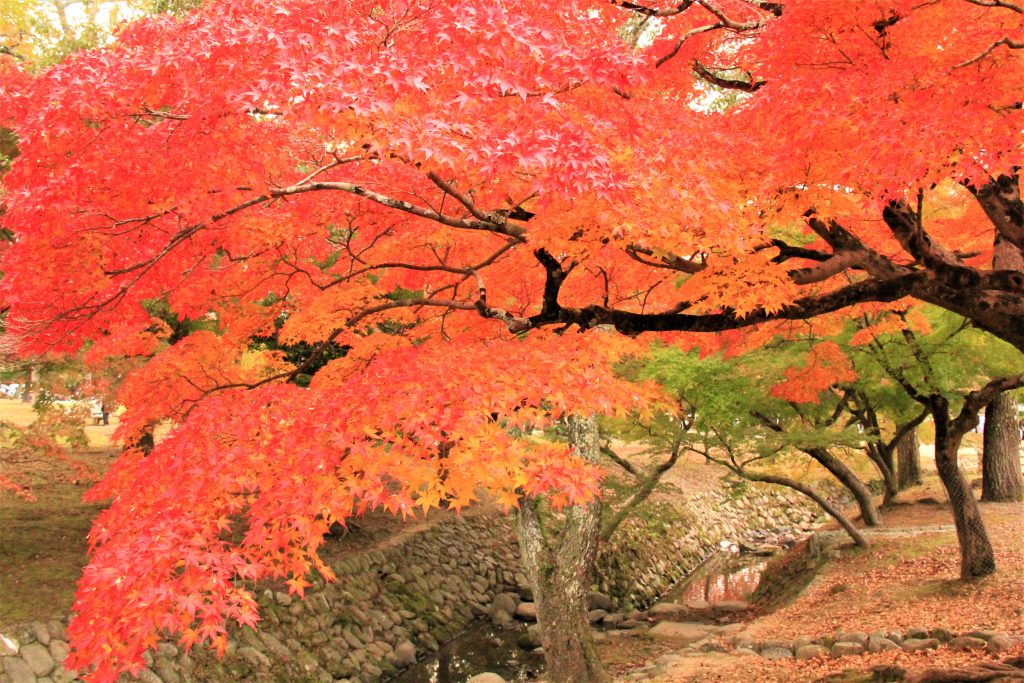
(916, 633)
(41, 632)
(776, 653)
(147, 676)
(880, 644)
(274, 646)
(486, 678)
(59, 650)
(598, 600)
(744, 652)
(596, 615)
(405, 653)
(8, 646)
(531, 639)
(527, 611)
(504, 603)
(38, 659)
(614, 619)
(56, 627)
(942, 635)
(967, 643)
(253, 656)
(844, 649)
(916, 644)
(810, 651)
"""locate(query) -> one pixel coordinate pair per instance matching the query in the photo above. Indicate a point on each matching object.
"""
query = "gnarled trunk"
(559, 567)
(976, 555)
(1001, 480)
(834, 512)
(908, 455)
(882, 457)
(848, 478)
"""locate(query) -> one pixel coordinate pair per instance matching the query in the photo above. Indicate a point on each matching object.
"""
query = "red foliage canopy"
(430, 184)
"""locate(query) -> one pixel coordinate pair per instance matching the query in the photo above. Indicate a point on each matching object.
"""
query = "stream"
(483, 647)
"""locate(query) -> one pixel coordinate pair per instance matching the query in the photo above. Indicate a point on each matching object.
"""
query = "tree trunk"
(882, 457)
(849, 479)
(835, 513)
(559, 567)
(908, 454)
(1001, 480)
(976, 555)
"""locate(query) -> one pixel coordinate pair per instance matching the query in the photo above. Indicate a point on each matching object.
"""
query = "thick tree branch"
(727, 83)
(1000, 199)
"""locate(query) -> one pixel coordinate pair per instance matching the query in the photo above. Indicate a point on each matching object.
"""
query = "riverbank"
(903, 585)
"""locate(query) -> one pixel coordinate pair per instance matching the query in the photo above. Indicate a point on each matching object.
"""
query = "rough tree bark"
(848, 478)
(1001, 479)
(834, 512)
(908, 453)
(559, 566)
(976, 555)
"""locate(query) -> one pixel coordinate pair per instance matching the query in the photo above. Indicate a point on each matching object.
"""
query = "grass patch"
(43, 549)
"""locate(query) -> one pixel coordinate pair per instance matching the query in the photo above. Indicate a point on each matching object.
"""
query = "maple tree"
(425, 183)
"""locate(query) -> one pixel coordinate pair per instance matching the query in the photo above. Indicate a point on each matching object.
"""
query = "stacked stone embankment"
(396, 603)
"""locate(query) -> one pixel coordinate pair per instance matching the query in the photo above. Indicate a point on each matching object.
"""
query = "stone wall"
(393, 604)
(650, 554)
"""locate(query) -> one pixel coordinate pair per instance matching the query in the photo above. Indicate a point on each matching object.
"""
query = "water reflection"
(482, 648)
(729, 578)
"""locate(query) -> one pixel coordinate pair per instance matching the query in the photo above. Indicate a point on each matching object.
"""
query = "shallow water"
(481, 648)
(723, 577)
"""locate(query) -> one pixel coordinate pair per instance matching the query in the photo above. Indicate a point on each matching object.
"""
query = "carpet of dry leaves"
(898, 583)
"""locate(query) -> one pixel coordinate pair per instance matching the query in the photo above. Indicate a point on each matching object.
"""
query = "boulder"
(880, 644)
(18, 671)
(845, 649)
(502, 608)
(486, 678)
(916, 644)
(667, 610)
(527, 611)
(38, 659)
(967, 643)
(405, 653)
(801, 641)
(598, 600)
(811, 651)
(530, 640)
(1001, 643)
(776, 653)
(682, 632)
(858, 637)
(984, 634)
